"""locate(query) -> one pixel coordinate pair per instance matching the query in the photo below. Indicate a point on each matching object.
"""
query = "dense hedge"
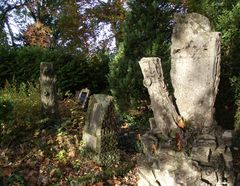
(74, 71)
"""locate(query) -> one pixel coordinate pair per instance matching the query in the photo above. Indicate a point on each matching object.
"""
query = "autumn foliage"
(38, 35)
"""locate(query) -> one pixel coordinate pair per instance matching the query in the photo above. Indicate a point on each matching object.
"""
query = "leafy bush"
(15, 179)
(125, 81)
(98, 70)
(7, 58)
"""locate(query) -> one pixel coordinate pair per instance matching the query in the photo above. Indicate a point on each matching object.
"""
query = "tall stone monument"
(48, 91)
(195, 68)
(184, 145)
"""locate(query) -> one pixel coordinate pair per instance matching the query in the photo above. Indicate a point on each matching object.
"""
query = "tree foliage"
(146, 33)
(75, 25)
(139, 28)
(38, 35)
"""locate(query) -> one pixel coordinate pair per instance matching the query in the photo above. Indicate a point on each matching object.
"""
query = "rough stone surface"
(207, 164)
(164, 112)
(48, 91)
(167, 167)
(227, 137)
(195, 68)
(99, 132)
(199, 154)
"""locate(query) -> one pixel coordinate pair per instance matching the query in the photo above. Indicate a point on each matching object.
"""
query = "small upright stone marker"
(83, 97)
(48, 91)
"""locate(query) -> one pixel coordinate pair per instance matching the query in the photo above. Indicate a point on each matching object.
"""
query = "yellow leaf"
(181, 123)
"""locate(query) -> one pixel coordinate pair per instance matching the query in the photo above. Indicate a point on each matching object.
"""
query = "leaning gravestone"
(199, 154)
(48, 91)
(99, 132)
(165, 114)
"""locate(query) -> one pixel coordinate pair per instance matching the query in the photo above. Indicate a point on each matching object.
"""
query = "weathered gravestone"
(48, 91)
(195, 68)
(165, 114)
(199, 154)
(99, 132)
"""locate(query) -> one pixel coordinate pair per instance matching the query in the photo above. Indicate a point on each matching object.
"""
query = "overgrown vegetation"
(19, 111)
(51, 155)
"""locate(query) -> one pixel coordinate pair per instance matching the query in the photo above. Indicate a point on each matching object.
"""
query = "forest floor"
(54, 155)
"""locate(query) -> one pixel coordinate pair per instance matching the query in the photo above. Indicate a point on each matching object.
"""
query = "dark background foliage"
(74, 71)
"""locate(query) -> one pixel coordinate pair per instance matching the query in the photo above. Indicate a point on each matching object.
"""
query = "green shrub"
(235, 82)
(125, 81)
(98, 69)
(6, 110)
(7, 64)
(15, 179)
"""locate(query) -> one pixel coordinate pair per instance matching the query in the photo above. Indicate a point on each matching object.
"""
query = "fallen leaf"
(99, 184)
(125, 125)
(110, 182)
(179, 145)
(138, 136)
(154, 148)
(7, 171)
(72, 153)
(181, 123)
(116, 182)
(96, 168)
